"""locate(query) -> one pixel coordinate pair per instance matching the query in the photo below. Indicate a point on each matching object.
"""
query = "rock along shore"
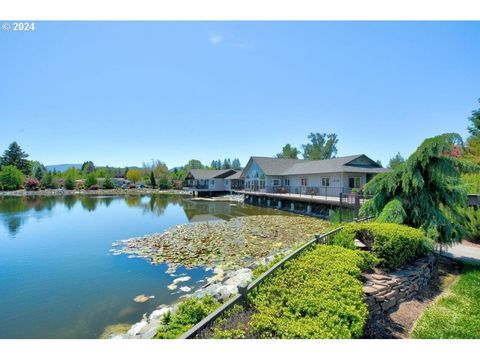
(63, 192)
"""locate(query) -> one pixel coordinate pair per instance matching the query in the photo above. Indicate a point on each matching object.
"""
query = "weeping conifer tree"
(429, 187)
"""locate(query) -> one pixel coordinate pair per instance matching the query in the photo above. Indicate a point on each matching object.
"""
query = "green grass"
(457, 314)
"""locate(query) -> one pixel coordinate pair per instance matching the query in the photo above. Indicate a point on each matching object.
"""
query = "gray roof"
(235, 176)
(210, 174)
(275, 166)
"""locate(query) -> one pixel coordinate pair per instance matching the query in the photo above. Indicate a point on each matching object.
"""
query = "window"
(226, 182)
(276, 182)
(304, 182)
(286, 182)
(325, 181)
(212, 182)
(262, 184)
(354, 182)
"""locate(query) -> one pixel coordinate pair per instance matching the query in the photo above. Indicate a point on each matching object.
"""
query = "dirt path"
(400, 323)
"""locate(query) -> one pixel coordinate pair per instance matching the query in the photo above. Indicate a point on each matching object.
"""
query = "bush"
(393, 212)
(108, 183)
(69, 182)
(316, 295)
(10, 178)
(188, 313)
(31, 184)
(47, 181)
(471, 224)
(90, 180)
(132, 186)
(93, 187)
(394, 245)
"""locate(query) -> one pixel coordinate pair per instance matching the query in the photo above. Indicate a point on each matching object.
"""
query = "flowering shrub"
(31, 184)
(132, 186)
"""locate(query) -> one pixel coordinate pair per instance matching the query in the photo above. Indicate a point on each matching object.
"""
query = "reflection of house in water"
(219, 210)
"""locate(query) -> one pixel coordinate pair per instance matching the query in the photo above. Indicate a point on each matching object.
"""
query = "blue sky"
(120, 93)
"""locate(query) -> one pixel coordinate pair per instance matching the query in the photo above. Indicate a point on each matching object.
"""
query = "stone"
(181, 279)
(388, 304)
(391, 294)
(158, 314)
(136, 328)
(380, 277)
(142, 298)
(240, 277)
(370, 290)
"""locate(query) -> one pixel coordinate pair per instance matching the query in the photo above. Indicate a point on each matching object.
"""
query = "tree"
(288, 152)
(396, 161)
(429, 187)
(163, 182)
(47, 181)
(15, 156)
(473, 142)
(88, 167)
(91, 180)
(321, 146)
(153, 183)
(194, 164)
(134, 175)
(69, 181)
(226, 164)
(108, 183)
(11, 178)
(236, 164)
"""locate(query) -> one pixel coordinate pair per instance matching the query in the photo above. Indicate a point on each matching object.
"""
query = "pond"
(58, 277)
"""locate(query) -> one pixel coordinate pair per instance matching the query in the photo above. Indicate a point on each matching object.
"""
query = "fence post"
(341, 207)
(242, 291)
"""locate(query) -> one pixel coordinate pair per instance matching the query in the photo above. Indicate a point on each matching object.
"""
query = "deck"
(316, 199)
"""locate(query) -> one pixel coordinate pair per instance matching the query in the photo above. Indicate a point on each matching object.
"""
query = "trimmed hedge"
(393, 244)
(317, 295)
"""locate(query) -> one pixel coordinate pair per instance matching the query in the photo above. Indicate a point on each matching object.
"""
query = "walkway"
(466, 252)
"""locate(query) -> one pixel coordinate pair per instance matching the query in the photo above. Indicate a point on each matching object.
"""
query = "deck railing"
(304, 191)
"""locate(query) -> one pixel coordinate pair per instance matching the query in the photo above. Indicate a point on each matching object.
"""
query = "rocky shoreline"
(221, 286)
(63, 192)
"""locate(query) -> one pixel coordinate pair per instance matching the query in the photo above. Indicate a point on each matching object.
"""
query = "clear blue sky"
(120, 93)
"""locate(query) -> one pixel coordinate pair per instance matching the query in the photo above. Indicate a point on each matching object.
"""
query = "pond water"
(58, 278)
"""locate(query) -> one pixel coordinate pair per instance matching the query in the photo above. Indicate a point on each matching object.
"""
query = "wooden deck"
(316, 199)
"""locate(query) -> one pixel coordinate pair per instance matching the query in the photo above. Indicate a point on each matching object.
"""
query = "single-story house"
(213, 180)
(315, 177)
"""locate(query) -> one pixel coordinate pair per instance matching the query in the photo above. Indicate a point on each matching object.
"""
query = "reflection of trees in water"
(89, 203)
(69, 201)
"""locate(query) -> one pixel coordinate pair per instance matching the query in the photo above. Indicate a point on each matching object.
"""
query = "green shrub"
(90, 180)
(393, 244)
(69, 182)
(48, 181)
(108, 183)
(344, 239)
(316, 295)
(471, 224)
(367, 209)
(10, 178)
(393, 212)
(188, 313)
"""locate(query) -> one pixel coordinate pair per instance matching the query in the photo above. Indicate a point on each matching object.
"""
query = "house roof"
(235, 176)
(210, 174)
(275, 166)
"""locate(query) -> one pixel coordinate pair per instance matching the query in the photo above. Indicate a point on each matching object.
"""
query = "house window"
(276, 182)
(304, 182)
(262, 184)
(226, 182)
(354, 182)
(286, 182)
(247, 184)
(325, 181)
(212, 182)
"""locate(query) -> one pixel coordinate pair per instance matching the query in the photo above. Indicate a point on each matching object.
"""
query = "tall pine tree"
(15, 156)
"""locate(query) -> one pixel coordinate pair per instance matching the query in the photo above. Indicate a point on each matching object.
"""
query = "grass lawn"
(455, 315)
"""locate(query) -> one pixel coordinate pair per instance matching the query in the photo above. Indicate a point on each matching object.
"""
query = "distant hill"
(63, 167)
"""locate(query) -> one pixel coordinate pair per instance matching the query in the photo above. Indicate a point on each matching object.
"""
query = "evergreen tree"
(88, 167)
(39, 171)
(153, 184)
(47, 181)
(108, 183)
(69, 181)
(15, 156)
(429, 187)
(10, 178)
(236, 164)
(395, 161)
(90, 180)
(219, 164)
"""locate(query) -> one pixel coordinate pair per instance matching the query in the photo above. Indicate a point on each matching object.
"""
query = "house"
(313, 177)
(212, 180)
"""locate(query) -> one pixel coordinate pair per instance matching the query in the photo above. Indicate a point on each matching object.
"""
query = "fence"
(241, 297)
